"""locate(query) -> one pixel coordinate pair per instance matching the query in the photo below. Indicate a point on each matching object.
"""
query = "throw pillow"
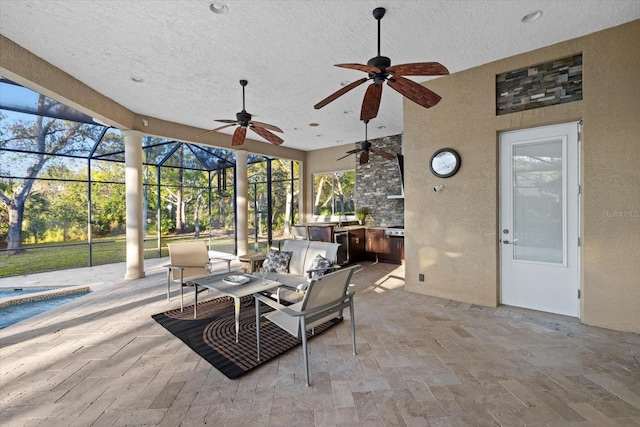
(321, 264)
(277, 261)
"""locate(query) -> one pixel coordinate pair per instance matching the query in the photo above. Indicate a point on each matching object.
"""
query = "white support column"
(301, 192)
(134, 203)
(242, 224)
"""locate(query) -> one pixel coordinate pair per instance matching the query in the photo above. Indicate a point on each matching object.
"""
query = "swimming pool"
(18, 304)
(18, 292)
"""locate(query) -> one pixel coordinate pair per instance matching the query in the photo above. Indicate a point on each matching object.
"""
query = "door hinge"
(578, 293)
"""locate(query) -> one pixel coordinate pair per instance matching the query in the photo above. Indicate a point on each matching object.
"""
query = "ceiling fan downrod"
(243, 117)
(378, 13)
(366, 126)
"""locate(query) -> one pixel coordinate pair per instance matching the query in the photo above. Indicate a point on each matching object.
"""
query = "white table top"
(253, 286)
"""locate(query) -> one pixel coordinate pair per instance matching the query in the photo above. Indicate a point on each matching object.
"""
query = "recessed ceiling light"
(319, 135)
(344, 83)
(348, 111)
(218, 7)
(314, 124)
(382, 127)
(533, 16)
(137, 79)
(296, 128)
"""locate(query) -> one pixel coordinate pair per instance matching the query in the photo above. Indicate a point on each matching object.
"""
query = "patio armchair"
(187, 261)
(325, 299)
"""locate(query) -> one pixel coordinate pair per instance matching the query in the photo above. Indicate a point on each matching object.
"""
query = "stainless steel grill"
(394, 230)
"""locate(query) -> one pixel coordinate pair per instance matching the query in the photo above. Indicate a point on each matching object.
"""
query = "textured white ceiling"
(192, 59)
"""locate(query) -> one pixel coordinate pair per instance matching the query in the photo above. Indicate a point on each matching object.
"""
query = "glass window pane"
(538, 202)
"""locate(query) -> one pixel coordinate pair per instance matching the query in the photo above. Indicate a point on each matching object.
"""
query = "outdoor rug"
(212, 334)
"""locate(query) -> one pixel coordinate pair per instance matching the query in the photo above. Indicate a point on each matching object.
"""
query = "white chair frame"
(308, 315)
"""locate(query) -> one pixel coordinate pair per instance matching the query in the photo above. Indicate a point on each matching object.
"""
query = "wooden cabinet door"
(396, 249)
(376, 245)
(356, 245)
(321, 233)
(393, 250)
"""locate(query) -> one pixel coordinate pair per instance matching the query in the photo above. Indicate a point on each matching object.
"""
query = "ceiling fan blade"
(364, 157)
(384, 154)
(239, 135)
(415, 92)
(349, 153)
(213, 130)
(272, 138)
(354, 151)
(226, 121)
(361, 67)
(371, 102)
(266, 126)
(339, 93)
(419, 69)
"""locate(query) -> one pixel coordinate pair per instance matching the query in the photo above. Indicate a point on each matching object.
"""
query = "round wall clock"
(445, 162)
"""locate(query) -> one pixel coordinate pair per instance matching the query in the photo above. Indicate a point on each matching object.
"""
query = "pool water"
(14, 313)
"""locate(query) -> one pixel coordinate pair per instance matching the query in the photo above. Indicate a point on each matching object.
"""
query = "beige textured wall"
(452, 236)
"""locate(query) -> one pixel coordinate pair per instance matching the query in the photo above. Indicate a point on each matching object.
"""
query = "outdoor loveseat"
(308, 259)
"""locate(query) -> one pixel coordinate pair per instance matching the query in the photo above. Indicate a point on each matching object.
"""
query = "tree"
(37, 215)
(108, 203)
(44, 137)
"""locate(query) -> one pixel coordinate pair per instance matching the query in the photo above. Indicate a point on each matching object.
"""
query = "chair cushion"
(321, 264)
(277, 261)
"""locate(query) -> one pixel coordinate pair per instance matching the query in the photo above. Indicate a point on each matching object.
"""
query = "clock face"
(445, 163)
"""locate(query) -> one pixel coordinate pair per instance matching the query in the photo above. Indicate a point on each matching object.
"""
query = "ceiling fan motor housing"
(243, 118)
(381, 63)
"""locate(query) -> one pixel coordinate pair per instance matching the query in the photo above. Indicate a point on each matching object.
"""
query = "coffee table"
(237, 291)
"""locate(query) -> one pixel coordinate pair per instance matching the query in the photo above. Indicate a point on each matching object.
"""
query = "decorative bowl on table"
(235, 279)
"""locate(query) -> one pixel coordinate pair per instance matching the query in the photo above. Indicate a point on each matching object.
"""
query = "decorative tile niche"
(555, 82)
(378, 179)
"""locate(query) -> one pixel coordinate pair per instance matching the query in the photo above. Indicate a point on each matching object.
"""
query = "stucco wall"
(451, 236)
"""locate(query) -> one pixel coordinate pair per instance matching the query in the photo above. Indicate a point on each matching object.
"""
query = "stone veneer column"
(134, 203)
(242, 225)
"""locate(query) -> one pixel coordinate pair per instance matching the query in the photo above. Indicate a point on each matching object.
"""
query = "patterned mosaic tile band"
(555, 82)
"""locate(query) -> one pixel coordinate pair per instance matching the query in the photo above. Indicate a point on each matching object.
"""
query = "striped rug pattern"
(212, 334)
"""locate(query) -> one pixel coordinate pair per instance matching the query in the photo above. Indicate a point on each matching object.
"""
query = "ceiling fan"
(244, 120)
(381, 70)
(366, 147)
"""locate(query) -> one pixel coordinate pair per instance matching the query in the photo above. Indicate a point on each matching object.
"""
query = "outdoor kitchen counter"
(348, 228)
(356, 227)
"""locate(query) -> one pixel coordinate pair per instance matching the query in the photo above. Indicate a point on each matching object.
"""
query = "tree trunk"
(14, 238)
(196, 214)
(179, 215)
(288, 214)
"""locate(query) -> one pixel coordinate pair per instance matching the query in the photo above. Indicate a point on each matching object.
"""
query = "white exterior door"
(539, 223)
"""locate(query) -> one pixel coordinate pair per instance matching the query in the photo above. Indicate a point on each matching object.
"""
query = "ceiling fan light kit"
(379, 70)
(243, 119)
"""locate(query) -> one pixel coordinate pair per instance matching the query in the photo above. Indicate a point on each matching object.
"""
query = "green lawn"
(41, 258)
